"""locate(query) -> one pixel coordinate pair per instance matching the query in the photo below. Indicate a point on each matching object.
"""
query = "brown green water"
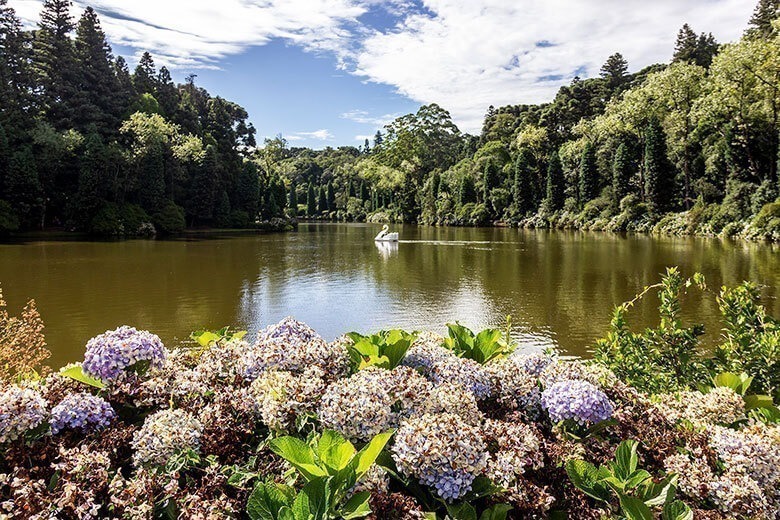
(559, 287)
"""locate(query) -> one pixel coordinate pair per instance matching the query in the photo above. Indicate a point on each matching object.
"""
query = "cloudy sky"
(331, 72)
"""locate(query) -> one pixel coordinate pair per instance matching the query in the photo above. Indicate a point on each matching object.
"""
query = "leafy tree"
(556, 183)
(589, 175)
(659, 175)
(294, 198)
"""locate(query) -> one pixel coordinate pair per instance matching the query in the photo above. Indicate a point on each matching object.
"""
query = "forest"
(688, 147)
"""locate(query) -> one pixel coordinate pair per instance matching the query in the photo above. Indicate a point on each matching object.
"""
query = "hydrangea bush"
(191, 437)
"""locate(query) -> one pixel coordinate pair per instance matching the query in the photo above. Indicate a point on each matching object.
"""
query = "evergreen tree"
(222, 210)
(311, 201)
(166, 93)
(331, 197)
(659, 174)
(203, 192)
(294, 199)
(90, 195)
(589, 175)
(145, 75)
(366, 147)
(5, 158)
(364, 194)
(765, 13)
(322, 202)
(686, 45)
(435, 184)
(489, 181)
(95, 103)
(523, 192)
(125, 91)
(556, 183)
(614, 71)
(378, 138)
(15, 80)
(351, 189)
(248, 192)
(621, 175)
(54, 63)
(151, 179)
(23, 188)
(467, 192)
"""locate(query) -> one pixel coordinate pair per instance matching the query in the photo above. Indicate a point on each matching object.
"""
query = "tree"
(614, 71)
(523, 189)
(331, 197)
(248, 192)
(54, 63)
(322, 201)
(16, 83)
(467, 192)
(760, 25)
(378, 139)
(203, 192)
(311, 201)
(23, 188)
(145, 75)
(621, 175)
(489, 181)
(294, 199)
(588, 175)
(556, 183)
(697, 50)
(96, 102)
(659, 174)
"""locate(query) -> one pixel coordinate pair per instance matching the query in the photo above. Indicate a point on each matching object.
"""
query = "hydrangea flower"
(721, 405)
(112, 353)
(754, 452)
(358, 407)
(21, 410)
(83, 411)
(293, 346)
(578, 401)
(513, 385)
(533, 363)
(163, 434)
(466, 372)
(515, 447)
(425, 351)
(453, 398)
(283, 396)
(442, 451)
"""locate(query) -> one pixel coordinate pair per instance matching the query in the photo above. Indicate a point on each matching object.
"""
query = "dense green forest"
(685, 147)
(87, 145)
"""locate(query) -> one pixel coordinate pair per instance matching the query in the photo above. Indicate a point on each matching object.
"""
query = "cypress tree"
(23, 188)
(322, 203)
(363, 191)
(523, 192)
(467, 192)
(151, 179)
(311, 201)
(15, 75)
(248, 193)
(166, 93)
(222, 210)
(555, 183)
(351, 189)
(659, 174)
(760, 25)
(435, 183)
(89, 197)
(145, 75)
(54, 63)
(294, 199)
(203, 191)
(489, 181)
(589, 181)
(5, 156)
(621, 175)
(331, 197)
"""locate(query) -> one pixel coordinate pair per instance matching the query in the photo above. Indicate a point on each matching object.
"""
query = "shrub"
(8, 219)
(170, 219)
(22, 344)
(107, 222)
(480, 216)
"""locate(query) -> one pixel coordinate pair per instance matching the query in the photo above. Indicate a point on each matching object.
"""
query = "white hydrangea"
(283, 396)
(21, 410)
(163, 434)
(358, 407)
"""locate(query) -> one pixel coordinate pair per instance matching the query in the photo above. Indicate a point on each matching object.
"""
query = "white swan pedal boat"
(385, 236)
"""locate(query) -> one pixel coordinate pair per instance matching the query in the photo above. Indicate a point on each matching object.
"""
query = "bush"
(464, 213)
(107, 222)
(8, 219)
(134, 218)
(239, 219)
(479, 216)
(170, 219)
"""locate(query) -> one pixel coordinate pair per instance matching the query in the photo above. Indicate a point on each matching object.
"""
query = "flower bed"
(390, 426)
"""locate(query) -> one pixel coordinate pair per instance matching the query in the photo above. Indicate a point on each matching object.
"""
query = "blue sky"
(330, 72)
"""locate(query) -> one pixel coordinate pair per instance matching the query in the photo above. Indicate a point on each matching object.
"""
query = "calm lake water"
(559, 287)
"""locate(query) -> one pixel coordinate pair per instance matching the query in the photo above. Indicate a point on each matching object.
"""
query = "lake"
(559, 287)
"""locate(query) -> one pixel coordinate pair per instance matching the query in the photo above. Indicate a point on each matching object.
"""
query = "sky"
(333, 72)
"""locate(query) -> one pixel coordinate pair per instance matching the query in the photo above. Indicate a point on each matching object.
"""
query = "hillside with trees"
(88, 145)
(688, 147)
(685, 147)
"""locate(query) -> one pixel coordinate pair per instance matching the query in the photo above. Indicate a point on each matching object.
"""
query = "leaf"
(76, 373)
(317, 500)
(758, 401)
(637, 478)
(660, 493)
(462, 511)
(585, 477)
(677, 510)
(265, 502)
(634, 508)
(487, 345)
(357, 506)
(205, 338)
(496, 512)
(625, 459)
(368, 455)
(299, 454)
(334, 450)
(738, 383)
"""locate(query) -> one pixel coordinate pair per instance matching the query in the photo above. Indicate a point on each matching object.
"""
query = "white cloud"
(462, 54)
(469, 54)
(362, 138)
(319, 135)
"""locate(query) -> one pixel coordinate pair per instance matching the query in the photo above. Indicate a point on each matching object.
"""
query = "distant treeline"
(87, 145)
(687, 147)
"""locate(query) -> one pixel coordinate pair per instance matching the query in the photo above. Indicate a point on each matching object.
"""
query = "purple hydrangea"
(536, 362)
(109, 355)
(578, 401)
(288, 330)
(21, 410)
(83, 411)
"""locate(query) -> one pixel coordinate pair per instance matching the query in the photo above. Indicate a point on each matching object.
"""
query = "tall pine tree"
(589, 175)
(760, 26)
(311, 201)
(523, 190)
(621, 175)
(556, 183)
(659, 173)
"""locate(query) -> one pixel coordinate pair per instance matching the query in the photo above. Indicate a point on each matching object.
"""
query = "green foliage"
(207, 338)
(658, 359)
(483, 347)
(556, 183)
(8, 219)
(627, 489)
(385, 349)
(76, 373)
(170, 219)
(589, 181)
(330, 466)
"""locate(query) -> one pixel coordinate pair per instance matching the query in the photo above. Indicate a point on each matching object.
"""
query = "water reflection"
(559, 287)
